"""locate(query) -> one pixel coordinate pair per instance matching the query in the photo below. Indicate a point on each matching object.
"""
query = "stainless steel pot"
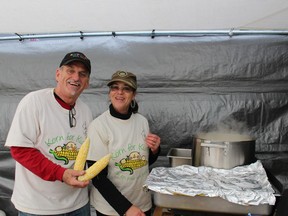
(222, 150)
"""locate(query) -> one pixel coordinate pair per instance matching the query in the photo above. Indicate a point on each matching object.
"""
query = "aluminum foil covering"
(244, 185)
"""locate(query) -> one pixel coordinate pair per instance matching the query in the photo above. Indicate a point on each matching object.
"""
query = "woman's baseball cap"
(76, 56)
(126, 77)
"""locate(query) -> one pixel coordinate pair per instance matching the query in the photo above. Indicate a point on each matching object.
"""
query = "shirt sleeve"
(33, 160)
(153, 157)
(108, 190)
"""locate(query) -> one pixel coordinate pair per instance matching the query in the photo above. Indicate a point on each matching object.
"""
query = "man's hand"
(70, 178)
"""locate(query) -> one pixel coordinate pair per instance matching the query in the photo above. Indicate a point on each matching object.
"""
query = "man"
(46, 133)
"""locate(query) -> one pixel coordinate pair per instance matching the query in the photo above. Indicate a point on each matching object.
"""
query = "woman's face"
(121, 95)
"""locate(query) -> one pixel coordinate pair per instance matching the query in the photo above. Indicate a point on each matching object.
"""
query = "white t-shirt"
(40, 122)
(129, 165)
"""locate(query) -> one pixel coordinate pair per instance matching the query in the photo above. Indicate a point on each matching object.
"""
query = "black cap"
(76, 56)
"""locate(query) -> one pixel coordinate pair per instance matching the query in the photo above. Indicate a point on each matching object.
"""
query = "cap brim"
(79, 60)
(120, 80)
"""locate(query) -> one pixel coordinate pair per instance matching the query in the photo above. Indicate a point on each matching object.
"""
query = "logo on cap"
(76, 56)
(122, 73)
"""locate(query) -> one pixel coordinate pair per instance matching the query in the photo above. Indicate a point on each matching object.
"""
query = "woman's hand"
(153, 142)
(134, 211)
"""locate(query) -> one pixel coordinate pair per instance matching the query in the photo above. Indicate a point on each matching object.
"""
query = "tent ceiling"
(36, 16)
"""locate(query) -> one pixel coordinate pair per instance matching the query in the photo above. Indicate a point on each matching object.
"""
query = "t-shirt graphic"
(65, 153)
(133, 161)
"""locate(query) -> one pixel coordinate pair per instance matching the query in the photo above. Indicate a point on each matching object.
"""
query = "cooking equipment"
(179, 156)
(208, 204)
(222, 150)
(170, 188)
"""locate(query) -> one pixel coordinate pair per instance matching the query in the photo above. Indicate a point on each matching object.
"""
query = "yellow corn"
(95, 169)
(82, 155)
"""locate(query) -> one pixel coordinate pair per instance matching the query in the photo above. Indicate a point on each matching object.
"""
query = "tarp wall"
(186, 85)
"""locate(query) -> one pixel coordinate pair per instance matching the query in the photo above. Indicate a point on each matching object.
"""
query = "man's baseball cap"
(126, 77)
(76, 56)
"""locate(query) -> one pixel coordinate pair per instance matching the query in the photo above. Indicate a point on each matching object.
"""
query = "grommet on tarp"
(153, 34)
(231, 32)
(113, 34)
(81, 35)
(20, 38)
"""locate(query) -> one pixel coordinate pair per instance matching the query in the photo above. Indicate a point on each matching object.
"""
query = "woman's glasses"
(125, 89)
(72, 119)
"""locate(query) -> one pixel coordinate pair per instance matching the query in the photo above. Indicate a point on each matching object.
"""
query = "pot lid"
(220, 136)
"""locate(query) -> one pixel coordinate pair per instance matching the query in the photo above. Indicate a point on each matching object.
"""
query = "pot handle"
(213, 145)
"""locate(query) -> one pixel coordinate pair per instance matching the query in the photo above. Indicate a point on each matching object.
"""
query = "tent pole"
(152, 34)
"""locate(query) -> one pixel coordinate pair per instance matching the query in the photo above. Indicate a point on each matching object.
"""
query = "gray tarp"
(186, 85)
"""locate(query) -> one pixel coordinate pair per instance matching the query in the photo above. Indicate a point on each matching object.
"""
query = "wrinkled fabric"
(186, 85)
(244, 185)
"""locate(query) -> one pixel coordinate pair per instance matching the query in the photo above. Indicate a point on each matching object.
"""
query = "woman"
(122, 131)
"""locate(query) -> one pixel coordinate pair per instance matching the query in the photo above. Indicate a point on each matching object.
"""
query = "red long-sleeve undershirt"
(33, 160)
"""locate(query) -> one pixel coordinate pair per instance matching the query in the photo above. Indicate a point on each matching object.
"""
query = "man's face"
(71, 80)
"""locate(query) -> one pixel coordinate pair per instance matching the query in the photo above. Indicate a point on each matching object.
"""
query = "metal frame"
(152, 34)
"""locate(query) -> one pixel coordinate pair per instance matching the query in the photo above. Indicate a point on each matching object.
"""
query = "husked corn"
(82, 155)
(95, 169)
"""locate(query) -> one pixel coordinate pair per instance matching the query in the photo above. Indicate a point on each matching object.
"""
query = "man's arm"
(33, 160)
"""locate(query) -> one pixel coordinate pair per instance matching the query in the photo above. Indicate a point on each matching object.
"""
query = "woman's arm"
(108, 190)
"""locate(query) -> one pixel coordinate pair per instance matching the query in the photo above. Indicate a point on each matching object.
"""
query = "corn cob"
(82, 155)
(95, 169)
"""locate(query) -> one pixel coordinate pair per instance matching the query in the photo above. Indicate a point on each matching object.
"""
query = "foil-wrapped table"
(241, 190)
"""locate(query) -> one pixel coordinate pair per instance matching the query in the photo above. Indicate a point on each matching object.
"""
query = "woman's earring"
(133, 104)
